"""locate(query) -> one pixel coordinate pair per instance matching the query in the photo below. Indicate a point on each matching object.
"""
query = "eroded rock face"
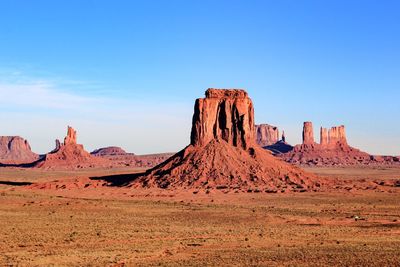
(70, 155)
(223, 153)
(58, 146)
(337, 135)
(267, 135)
(71, 136)
(16, 150)
(119, 157)
(308, 133)
(109, 151)
(223, 115)
(324, 138)
(333, 149)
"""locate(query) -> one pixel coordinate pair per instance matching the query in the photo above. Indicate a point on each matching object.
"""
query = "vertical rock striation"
(223, 115)
(324, 138)
(16, 150)
(70, 155)
(223, 152)
(266, 134)
(308, 133)
(333, 149)
(71, 136)
(337, 136)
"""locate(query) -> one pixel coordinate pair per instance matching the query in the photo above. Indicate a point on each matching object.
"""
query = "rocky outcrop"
(110, 151)
(70, 155)
(333, 149)
(266, 134)
(223, 115)
(16, 150)
(324, 137)
(119, 157)
(337, 136)
(58, 146)
(223, 153)
(308, 133)
(71, 136)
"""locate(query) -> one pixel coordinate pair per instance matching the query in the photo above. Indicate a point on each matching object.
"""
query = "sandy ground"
(114, 226)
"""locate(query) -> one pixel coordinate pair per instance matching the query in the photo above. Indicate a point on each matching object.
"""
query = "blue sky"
(126, 73)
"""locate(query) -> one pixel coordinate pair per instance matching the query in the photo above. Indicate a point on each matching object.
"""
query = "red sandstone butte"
(308, 133)
(71, 136)
(223, 153)
(228, 119)
(333, 149)
(267, 135)
(16, 150)
(324, 138)
(337, 136)
(70, 155)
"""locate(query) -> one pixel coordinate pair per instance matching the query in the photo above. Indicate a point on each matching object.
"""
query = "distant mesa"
(110, 151)
(119, 157)
(266, 134)
(223, 153)
(333, 149)
(16, 150)
(70, 155)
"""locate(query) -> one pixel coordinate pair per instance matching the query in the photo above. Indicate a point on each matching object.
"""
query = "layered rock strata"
(333, 149)
(266, 134)
(223, 153)
(70, 155)
(308, 133)
(16, 150)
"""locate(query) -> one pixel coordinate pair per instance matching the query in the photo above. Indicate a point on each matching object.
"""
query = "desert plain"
(110, 225)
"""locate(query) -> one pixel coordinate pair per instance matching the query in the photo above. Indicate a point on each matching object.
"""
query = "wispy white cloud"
(42, 94)
(40, 108)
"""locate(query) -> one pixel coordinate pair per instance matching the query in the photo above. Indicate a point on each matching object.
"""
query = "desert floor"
(107, 226)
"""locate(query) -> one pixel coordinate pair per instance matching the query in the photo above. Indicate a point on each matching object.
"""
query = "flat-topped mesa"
(308, 133)
(109, 151)
(16, 150)
(266, 134)
(224, 114)
(226, 93)
(337, 136)
(71, 136)
(324, 137)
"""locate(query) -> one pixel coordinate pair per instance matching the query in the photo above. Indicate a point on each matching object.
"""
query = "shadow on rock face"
(118, 180)
(279, 148)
